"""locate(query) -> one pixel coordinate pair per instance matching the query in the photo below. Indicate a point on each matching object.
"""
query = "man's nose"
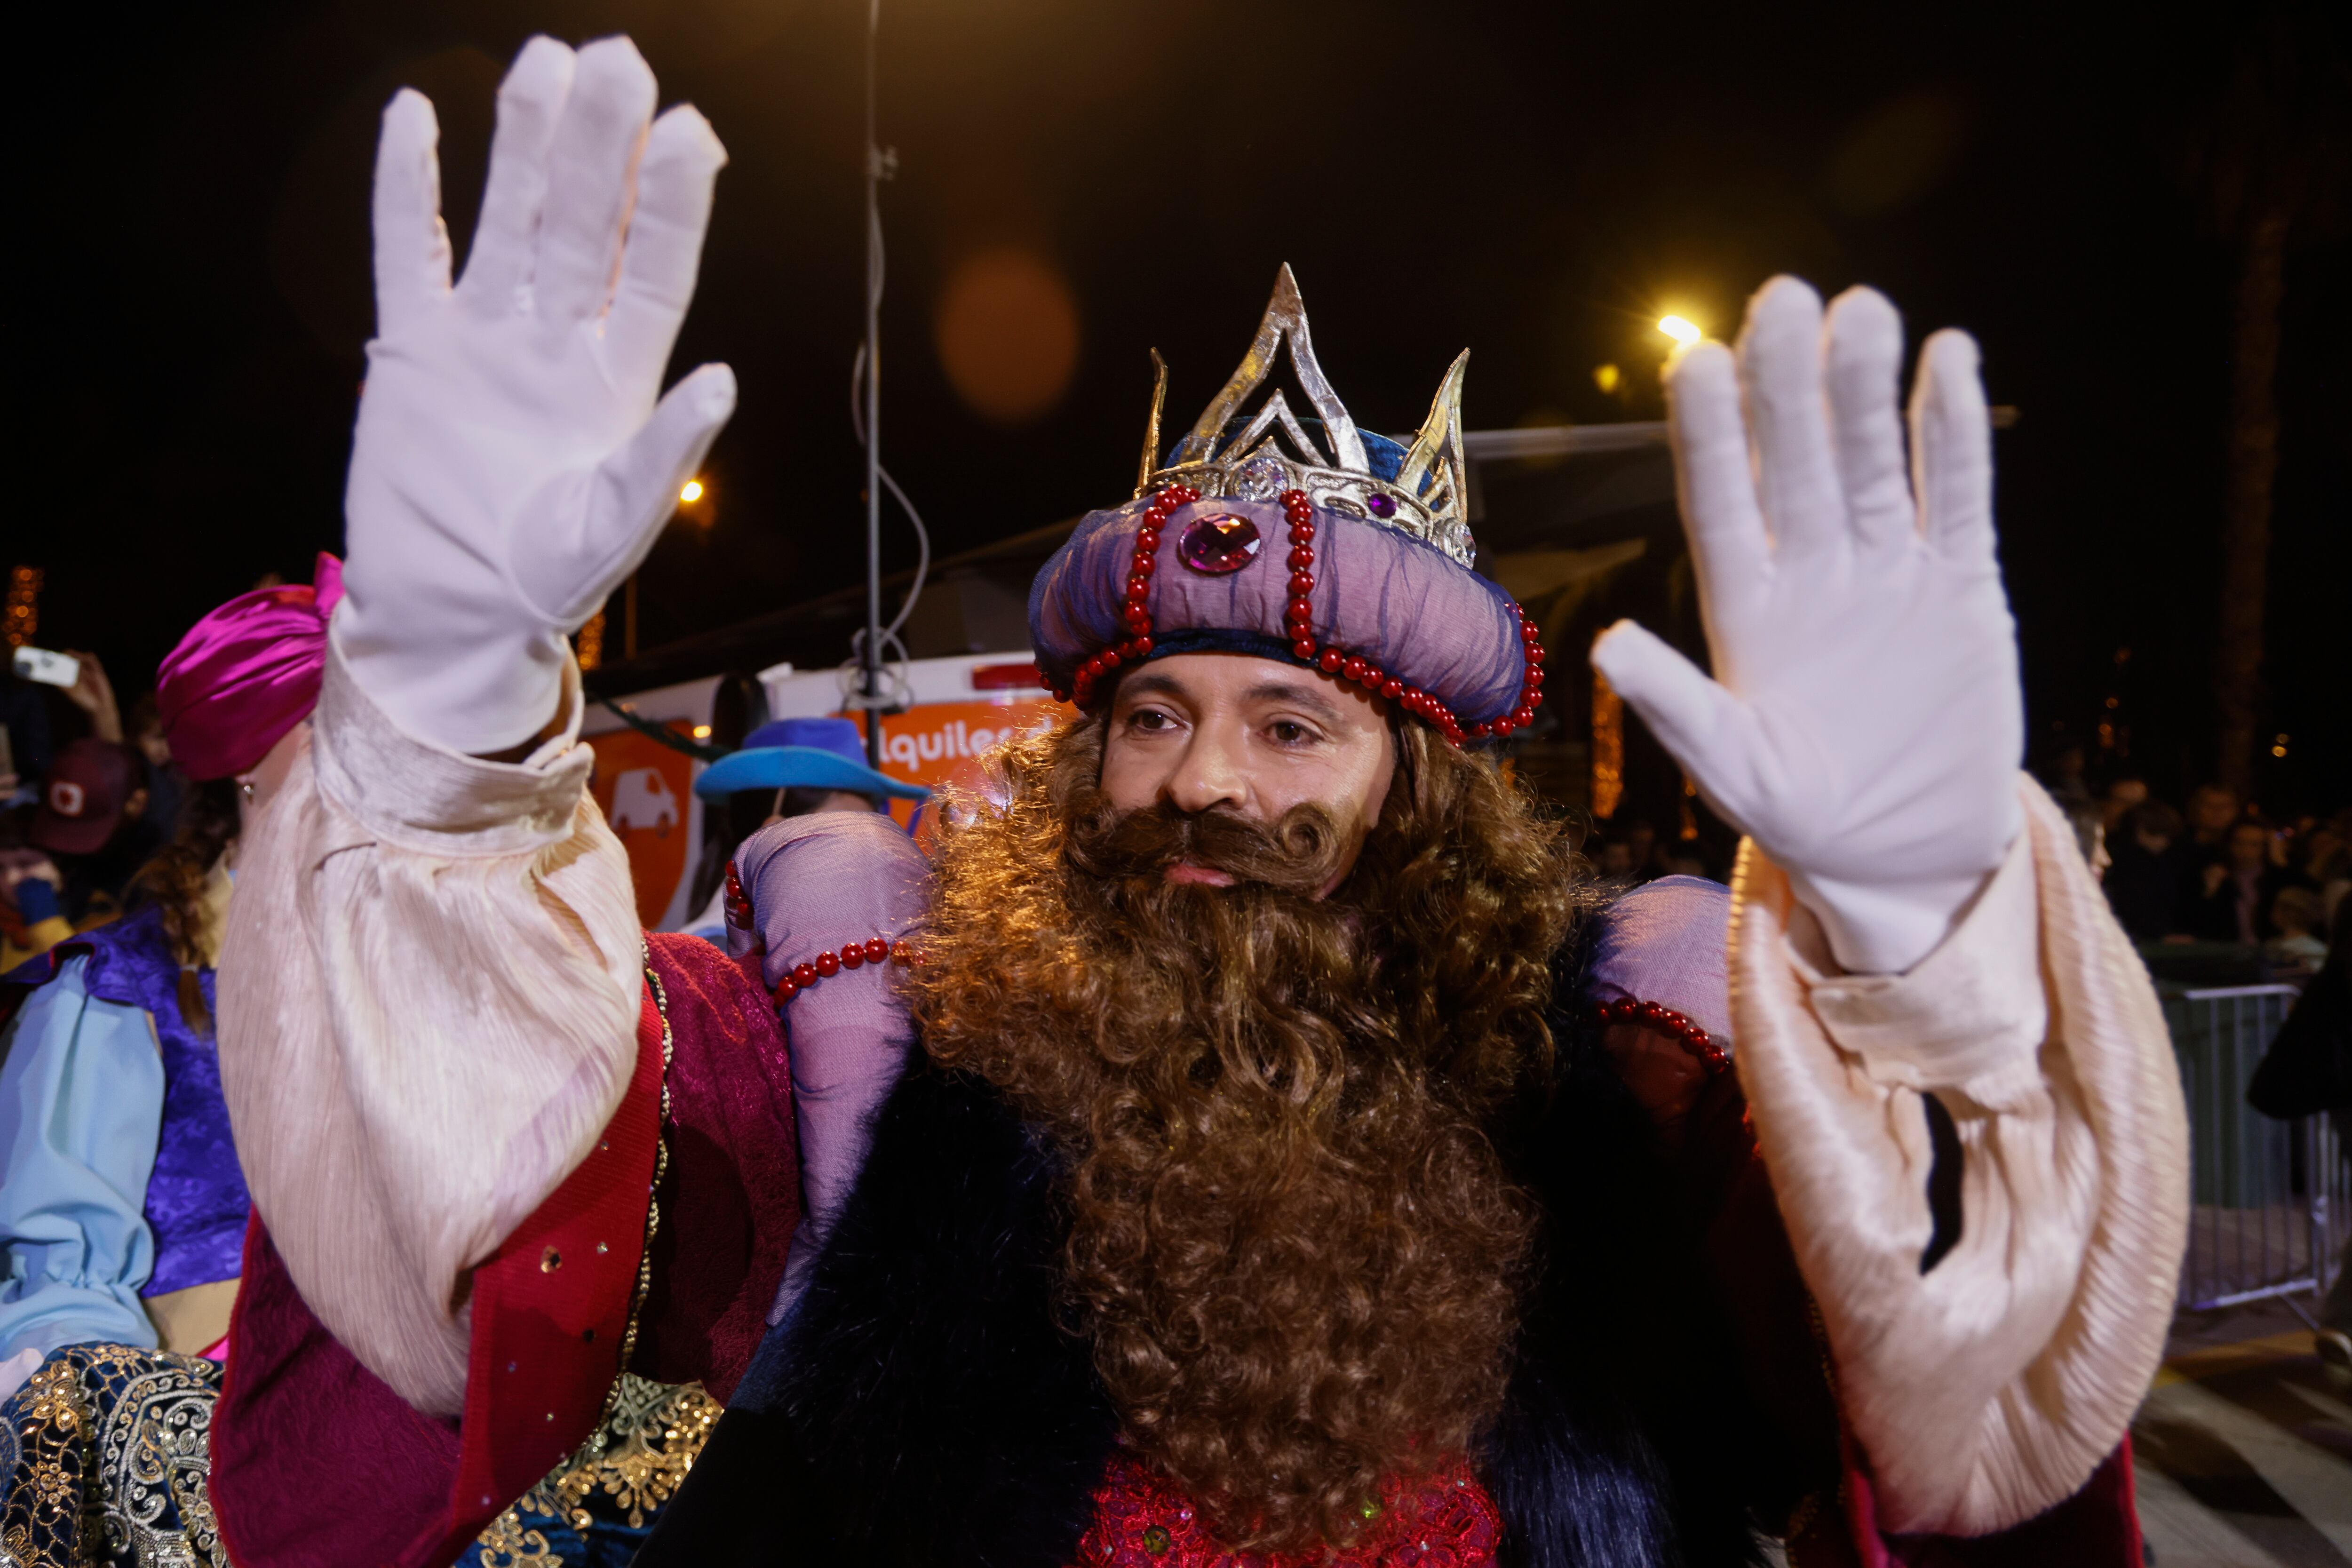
(1208, 775)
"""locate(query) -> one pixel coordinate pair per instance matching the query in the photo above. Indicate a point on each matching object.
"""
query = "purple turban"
(247, 674)
(1224, 583)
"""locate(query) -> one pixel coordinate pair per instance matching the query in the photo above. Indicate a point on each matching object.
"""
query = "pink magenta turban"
(247, 674)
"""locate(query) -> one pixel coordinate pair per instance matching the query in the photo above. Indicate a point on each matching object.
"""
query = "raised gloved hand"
(511, 467)
(1864, 725)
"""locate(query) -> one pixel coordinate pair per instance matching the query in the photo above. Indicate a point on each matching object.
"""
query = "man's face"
(2212, 810)
(2249, 846)
(1229, 732)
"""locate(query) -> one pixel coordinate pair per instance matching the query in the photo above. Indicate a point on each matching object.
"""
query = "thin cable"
(868, 645)
(922, 533)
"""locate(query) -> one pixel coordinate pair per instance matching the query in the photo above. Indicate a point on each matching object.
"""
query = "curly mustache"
(1302, 851)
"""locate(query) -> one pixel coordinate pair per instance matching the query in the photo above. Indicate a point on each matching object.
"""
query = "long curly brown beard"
(1292, 1244)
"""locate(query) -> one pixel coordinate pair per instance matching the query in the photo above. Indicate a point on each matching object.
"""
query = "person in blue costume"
(123, 1207)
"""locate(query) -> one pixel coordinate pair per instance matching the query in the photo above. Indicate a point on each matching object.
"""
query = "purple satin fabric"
(1665, 942)
(246, 674)
(816, 882)
(1399, 603)
(196, 1201)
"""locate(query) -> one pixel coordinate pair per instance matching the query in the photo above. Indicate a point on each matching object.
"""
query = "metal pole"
(872, 652)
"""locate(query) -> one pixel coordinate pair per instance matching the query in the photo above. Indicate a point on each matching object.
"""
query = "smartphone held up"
(48, 667)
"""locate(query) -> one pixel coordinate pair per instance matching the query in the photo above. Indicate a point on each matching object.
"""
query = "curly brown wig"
(1292, 1244)
(174, 877)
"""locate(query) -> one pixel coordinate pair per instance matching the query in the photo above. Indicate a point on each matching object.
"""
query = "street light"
(690, 492)
(1681, 330)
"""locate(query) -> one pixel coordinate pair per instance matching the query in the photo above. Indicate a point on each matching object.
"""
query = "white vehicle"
(642, 798)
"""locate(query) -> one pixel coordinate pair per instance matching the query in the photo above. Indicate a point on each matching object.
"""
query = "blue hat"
(805, 754)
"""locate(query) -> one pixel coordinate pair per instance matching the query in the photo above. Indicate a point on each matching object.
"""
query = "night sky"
(1539, 183)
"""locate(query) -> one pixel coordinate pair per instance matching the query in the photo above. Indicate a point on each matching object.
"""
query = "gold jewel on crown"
(1273, 452)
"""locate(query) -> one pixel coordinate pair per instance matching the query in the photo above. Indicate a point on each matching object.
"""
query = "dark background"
(1536, 182)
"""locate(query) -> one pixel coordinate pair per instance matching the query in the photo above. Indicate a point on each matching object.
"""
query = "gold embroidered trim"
(653, 1198)
(637, 1458)
(109, 1463)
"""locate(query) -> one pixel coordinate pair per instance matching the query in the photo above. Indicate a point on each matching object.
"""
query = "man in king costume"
(1277, 1149)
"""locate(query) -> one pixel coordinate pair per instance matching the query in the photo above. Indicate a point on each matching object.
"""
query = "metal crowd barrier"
(2272, 1201)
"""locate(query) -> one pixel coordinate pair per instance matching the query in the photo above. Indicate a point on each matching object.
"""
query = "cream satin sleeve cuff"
(1988, 1389)
(428, 1000)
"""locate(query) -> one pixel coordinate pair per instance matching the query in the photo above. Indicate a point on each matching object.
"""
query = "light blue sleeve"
(81, 1107)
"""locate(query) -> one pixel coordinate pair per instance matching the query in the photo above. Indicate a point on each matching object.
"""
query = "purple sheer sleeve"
(815, 883)
(1665, 942)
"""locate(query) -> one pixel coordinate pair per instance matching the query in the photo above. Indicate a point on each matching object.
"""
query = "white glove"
(1867, 725)
(511, 467)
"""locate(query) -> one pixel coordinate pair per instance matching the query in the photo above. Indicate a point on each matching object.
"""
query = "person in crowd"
(2307, 1071)
(32, 919)
(2123, 791)
(93, 693)
(122, 1204)
(1626, 848)
(2213, 810)
(821, 827)
(167, 785)
(1684, 860)
(2296, 914)
(809, 777)
(25, 725)
(2321, 855)
(2064, 773)
(2330, 867)
(2143, 880)
(1641, 836)
(2237, 891)
(784, 769)
(1613, 859)
(91, 822)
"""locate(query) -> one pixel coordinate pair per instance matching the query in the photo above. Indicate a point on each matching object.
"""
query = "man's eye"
(1287, 732)
(1147, 719)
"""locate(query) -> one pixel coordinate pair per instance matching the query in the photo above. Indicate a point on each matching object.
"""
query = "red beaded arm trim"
(1666, 1021)
(739, 908)
(1298, 617)
(852, 955)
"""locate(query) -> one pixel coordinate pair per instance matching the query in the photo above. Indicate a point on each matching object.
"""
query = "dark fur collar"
(922, 1406)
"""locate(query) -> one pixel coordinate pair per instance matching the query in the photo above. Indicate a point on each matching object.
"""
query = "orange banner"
(645, 790)
(939, 744)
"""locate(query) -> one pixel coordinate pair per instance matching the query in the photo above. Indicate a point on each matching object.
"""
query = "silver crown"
(1273, 452)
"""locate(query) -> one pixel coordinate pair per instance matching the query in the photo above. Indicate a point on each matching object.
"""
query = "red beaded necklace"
(1298, 617)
